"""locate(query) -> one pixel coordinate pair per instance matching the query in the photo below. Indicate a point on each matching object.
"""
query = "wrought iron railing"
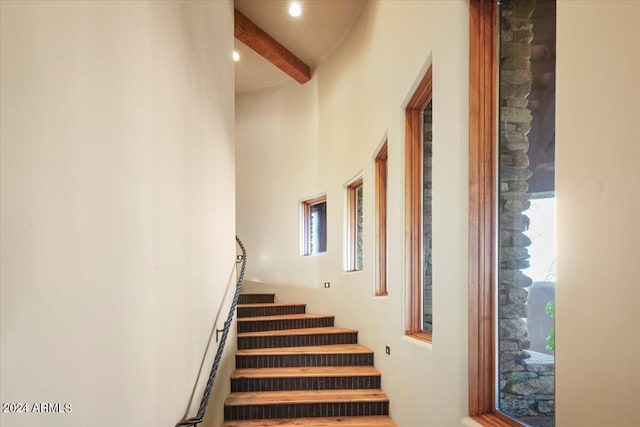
(193, 421)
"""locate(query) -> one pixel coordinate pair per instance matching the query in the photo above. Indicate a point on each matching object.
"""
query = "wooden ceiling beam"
(266, 46)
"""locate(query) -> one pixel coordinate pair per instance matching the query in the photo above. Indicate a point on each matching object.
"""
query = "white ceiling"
(311, 37)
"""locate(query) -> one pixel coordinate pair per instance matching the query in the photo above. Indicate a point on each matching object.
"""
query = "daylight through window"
(314, 226)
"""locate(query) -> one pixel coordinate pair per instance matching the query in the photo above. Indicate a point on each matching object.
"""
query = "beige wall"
(598, 148)
(118, 211)
(297, 141)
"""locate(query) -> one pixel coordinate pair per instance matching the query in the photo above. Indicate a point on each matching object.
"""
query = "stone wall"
(526, 388)
(359, 229)
(427, 283)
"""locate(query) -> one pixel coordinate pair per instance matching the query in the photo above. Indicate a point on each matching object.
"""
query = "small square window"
(314, 226)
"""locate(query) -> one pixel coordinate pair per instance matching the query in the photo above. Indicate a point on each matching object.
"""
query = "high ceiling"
(311, 37)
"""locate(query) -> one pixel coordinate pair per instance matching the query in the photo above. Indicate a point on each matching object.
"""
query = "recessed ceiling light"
(295, 9)
(236, 56)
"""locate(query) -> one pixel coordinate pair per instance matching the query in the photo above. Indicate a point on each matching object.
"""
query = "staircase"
(297, 369)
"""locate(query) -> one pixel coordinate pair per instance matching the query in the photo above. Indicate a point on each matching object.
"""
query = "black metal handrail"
(193, 421)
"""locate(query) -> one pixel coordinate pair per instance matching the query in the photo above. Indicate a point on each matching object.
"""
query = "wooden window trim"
(306, 222)
(483, 33)
(381, 220)
(352, 224)
(413, 203)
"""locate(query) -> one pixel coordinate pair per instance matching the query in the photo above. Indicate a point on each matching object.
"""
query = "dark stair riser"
(300, 360)
(257, 298)
(272, 341)
(305, 383)
(290, 410)
(276, 310)
(275, 325)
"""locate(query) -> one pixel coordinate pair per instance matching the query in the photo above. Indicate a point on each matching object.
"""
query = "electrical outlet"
(387, 350)
(327, 285)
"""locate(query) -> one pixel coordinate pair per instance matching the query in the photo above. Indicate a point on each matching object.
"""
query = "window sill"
(312, 255)
(421, 336)
(495, 420)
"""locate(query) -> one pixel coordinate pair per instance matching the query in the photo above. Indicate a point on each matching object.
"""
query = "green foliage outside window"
(550, 309)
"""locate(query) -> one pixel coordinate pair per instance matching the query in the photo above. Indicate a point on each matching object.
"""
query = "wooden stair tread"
(304, 331)
(314, 349)
(373, 421)
(305, 396)
(313, 371)
(272, 304)
(284, 317)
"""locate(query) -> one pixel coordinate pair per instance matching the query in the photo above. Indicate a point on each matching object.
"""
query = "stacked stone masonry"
(526, 386)
(427, 187)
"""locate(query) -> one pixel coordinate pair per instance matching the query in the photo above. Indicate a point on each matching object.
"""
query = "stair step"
(323, 355)
(256, 298)
(375, 421)
(305, 378)
(314, 403)
(297, 337)
(305, 396)
(316, 371)
(287, 321)
(273, 309)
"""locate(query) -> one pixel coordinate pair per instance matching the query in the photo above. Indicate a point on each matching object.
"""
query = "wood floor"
(298, 369)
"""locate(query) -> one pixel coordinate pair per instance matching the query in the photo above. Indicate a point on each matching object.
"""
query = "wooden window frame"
(413, 203)
(483, 86)
(381, 220)
(352, 224)
(306, 224)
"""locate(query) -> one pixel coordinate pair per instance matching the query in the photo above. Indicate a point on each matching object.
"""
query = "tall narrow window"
(381, 221)
(418, 164)
(526, 198)
(512, 132)
(355, 225)
(314, 226)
